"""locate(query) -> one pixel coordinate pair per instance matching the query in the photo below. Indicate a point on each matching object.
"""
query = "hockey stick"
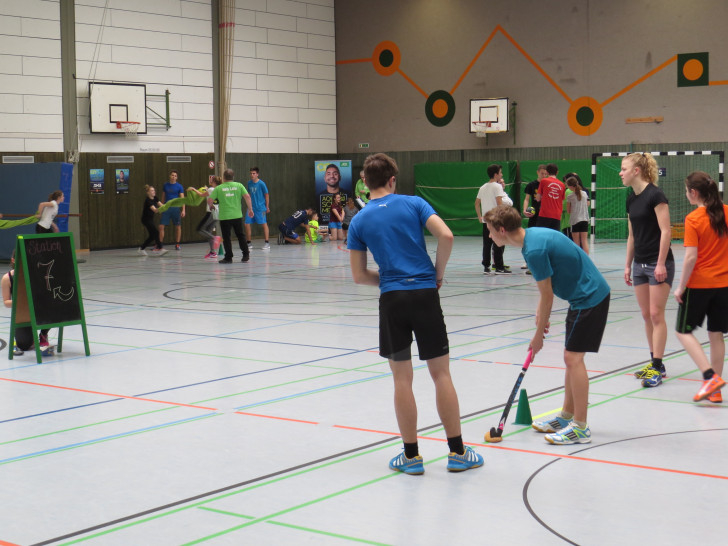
(496, 435)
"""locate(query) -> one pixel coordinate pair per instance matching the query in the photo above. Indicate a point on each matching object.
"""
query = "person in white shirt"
(48, 211)
(490, 195)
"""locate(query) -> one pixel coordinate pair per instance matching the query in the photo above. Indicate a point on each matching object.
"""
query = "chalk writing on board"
(57, 292)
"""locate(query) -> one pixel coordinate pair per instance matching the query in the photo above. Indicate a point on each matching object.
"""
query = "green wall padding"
(451, 189)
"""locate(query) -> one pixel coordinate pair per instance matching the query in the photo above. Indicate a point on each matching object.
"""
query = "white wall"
(284, 80)
(284, 84)
(165, 44)
(30, 76)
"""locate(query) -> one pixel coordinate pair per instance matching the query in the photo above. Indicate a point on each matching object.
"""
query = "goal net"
(609, 196)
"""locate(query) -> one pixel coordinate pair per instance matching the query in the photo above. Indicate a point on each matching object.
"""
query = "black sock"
(456, 445)
(411, 450)
(657, 364)
(708, 374)
(652, 355)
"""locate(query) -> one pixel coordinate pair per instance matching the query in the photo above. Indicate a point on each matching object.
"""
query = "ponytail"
(575, 180)
(647, 166)
(707, 189)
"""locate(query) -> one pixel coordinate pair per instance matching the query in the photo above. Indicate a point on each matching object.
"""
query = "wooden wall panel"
(112, 220)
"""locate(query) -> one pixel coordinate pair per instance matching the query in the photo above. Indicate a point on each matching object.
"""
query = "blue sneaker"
(649, 370)
(571, 434)
(409, 466)
(469, 459)
(552, 425)
(652, 378)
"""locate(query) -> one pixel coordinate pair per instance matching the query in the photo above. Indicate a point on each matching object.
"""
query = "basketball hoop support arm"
(165, 119)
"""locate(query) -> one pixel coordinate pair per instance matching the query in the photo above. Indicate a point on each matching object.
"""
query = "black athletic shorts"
(580, 227)
(585, 328)
(699, 303)
(402, 312)
(551, 223)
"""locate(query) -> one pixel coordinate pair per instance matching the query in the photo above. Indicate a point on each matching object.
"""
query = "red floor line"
(513, 449)
(3, 543)
(105, 394)
(388, 433)
(604, 461)
(279, 418)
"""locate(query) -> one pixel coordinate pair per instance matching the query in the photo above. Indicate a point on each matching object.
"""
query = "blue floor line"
(101, 439)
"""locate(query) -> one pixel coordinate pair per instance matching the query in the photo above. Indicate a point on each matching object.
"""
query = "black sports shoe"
(503, 272)
(245, 258)
(225, 261)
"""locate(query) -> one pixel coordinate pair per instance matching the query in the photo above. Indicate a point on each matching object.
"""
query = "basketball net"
(481, 128)
(131, 128)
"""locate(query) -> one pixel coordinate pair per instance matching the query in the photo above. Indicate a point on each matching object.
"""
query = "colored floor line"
(116, 396)
(80, 427)
(292, 526)
(489, 446)
(377, 480)
(285, 475)
(104, 439)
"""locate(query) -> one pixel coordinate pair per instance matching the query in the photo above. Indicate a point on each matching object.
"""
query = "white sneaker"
(142, 252)
(266, 246)
(163, 252)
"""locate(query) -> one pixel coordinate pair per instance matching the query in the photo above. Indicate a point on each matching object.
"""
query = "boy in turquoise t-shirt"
(562, 269)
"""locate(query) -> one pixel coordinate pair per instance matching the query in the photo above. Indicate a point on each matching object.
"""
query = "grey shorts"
(643, 273)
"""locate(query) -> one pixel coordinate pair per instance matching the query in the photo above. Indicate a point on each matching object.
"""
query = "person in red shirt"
(552, 191)
(703, 288)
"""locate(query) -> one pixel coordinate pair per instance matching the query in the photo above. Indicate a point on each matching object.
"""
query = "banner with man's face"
(332, 177)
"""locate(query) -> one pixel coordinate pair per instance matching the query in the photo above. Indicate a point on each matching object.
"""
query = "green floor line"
(210, 355)
(278, 385)
(225, 512)
(101, 441)
(688, 402)
(236, 492)
(290, 509)
(85, 426)
(297, 527)
(329, 534)
(325, 465)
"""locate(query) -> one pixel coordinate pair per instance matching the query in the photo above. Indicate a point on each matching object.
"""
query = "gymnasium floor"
(247, 404)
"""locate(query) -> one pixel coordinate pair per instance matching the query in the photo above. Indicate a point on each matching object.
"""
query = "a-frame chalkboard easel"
(46, 288)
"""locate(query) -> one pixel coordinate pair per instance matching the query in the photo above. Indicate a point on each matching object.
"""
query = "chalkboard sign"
(47, 291)
(51, 270)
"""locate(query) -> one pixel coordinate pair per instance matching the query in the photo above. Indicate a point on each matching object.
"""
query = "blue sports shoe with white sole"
(409, 466)
(469, 459)
(571, 434)
(652, 378)
(552, 425)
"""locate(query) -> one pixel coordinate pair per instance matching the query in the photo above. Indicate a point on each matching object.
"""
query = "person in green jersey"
(361, 190)
(229, 196)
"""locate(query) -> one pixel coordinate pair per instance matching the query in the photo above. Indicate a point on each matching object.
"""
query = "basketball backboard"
(493, 112)
(113, 104)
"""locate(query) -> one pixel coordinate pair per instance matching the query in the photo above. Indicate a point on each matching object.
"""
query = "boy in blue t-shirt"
(391, 227)
(261, 207)
(560, 268)
(172, 190)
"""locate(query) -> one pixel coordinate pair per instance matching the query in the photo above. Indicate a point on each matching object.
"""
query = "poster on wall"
(122, 180)
(96, 176)
(332, 177)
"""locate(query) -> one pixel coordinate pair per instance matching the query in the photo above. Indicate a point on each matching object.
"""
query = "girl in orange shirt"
(703, 288)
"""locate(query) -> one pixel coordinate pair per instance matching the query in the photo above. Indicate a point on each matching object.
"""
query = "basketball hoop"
(482, 128)
(131, 128)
